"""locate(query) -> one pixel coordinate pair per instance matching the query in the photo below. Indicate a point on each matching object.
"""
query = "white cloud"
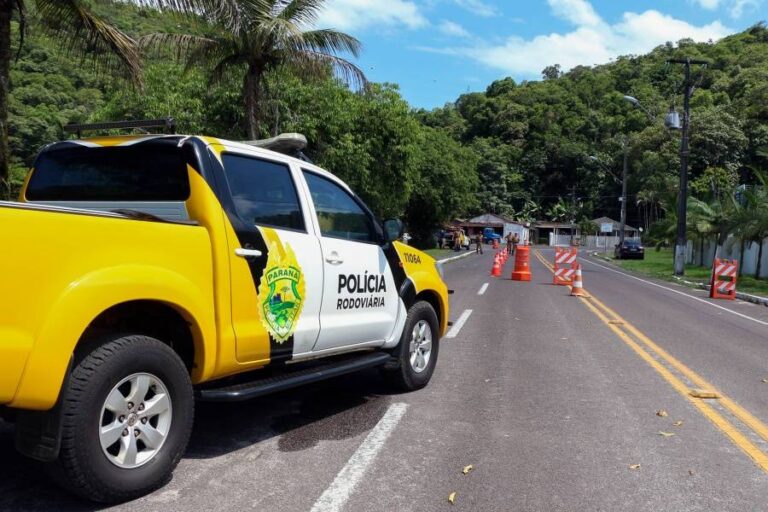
(453, 29)
(708, 4)
(359, 14)
(478, 7)
(736, 8)
(578, 12)
(593, 41)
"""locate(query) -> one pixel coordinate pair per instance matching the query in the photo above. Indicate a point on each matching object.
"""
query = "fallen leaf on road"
(662, 413)
(703, 393)
(765, 381)
(634, 466)
(690, 472)
(467, 469)
(452, 498)
(666, 434)
(678, 423)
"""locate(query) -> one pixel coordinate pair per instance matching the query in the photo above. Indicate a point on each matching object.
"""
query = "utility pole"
(624, 193)
(682, 202)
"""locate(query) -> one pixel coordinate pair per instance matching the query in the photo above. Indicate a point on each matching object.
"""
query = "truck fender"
(85, 299)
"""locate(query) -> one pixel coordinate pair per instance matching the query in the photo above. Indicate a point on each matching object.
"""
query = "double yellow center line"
(676, 373)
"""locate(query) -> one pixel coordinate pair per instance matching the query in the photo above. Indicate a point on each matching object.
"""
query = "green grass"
(659, 264)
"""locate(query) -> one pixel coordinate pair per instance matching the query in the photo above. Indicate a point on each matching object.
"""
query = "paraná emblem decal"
(282, 292)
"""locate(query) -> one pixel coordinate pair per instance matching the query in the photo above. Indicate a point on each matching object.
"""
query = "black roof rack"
(167, 123)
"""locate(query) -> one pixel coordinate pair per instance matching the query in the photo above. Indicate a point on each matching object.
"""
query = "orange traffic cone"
(577, 290)
(496, 269)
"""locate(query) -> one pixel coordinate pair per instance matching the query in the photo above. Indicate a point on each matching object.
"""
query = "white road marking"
(459, 324)
(337, 494)
(678, 292)
(483, 288)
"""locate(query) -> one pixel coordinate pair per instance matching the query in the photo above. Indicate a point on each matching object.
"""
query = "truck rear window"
(149, 171)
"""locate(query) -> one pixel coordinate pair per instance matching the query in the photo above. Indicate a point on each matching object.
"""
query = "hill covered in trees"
(539, 149)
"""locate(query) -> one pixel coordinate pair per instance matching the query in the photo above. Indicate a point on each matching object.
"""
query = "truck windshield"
(149, 171)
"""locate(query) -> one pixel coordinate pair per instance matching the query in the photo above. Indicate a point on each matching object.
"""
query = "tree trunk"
(6, 8)
(252, 98)
(759, 258)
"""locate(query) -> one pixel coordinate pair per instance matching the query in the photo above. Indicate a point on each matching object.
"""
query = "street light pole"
(682, 202)
(624, 193)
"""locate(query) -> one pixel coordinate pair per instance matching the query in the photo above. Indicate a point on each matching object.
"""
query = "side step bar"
(265, 386)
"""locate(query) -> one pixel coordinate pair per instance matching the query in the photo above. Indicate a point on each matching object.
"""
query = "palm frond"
(228, 13)
(218, 71)
(89, 35)
(311, 64)
(328, 41)
(302, 12)
(187, 47)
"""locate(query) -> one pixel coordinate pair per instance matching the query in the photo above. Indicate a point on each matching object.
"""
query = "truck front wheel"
(417, 352)
(127, 414)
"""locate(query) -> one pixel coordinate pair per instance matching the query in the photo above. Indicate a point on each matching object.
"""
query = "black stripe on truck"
(249, 237)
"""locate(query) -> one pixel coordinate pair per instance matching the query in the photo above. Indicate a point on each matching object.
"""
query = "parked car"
(631, 249)
(489, 235)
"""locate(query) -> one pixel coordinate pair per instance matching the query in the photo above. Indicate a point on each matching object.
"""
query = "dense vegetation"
(519, 149)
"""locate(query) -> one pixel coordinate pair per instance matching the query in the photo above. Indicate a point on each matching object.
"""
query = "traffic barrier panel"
(577, 289)
(565, 265)
(724, 276)
(522, 270)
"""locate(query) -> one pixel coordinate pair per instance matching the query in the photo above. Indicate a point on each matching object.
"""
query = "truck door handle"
(334, 259)
(247, 253)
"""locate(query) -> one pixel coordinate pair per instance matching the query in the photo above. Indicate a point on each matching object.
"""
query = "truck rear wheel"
(127, 414)
(417, 352)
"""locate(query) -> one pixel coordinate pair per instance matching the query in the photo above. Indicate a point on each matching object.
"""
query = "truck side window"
(339, 215)
(263, 192)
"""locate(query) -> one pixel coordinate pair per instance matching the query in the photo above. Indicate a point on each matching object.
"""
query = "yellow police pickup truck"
(142, 273)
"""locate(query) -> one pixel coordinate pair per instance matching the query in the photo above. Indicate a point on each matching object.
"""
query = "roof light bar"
(167, 123)
(288, 143)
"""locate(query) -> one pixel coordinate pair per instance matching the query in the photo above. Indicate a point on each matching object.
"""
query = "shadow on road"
(301, 418)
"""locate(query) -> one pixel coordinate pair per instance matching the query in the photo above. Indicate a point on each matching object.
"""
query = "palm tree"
(256, 37)
(81, 31)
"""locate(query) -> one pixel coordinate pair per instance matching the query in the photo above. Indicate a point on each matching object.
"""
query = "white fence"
(598, 243)
(731, 249)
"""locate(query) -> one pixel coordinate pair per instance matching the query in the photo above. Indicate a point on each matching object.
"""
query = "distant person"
(510, 247)
(479, 241)
(515, 241)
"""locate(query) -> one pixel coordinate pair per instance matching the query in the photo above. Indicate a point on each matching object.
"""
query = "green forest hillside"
(539, 149)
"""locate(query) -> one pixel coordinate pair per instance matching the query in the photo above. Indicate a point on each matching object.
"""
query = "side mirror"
(393, 229)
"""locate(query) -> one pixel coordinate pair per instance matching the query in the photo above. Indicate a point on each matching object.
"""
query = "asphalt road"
(552, 399)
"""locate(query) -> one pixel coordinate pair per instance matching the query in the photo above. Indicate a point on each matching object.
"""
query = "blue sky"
(438, 49)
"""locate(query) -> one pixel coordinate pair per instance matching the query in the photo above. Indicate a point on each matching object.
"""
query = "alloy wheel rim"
(135, 420)
(421, 346)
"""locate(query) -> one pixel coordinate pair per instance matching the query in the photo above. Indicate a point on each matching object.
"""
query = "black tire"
(82, 466)
(404, 377)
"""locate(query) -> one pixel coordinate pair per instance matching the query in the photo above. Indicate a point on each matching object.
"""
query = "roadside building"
(499, 224)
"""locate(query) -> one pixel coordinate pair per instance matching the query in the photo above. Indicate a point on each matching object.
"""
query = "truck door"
(276, 305)
(360, 300)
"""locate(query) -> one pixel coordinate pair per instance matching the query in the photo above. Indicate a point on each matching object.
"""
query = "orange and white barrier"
(565, 265)
(724, 276)
(522, 270)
